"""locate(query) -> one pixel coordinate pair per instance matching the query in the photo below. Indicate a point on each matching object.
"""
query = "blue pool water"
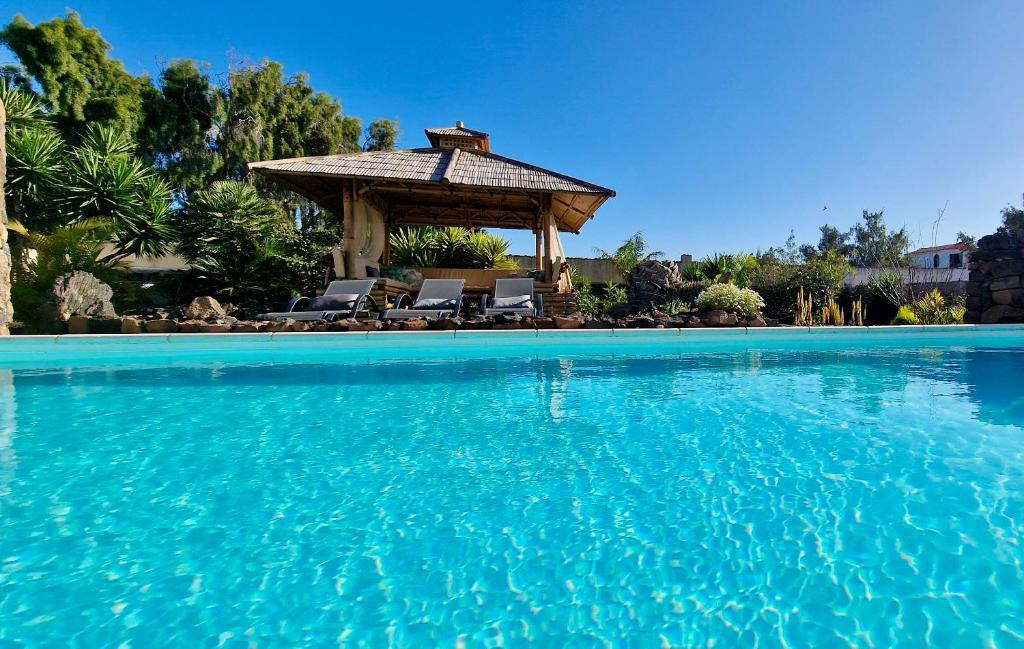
(586, 491)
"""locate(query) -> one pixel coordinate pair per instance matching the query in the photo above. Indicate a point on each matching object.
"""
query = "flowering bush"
(731, 298)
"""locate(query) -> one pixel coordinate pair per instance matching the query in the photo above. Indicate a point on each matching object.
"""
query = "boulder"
(130, 325)
(693, 322)
(161, 326)
(214, 328)
(298, 325)
(247, 327)
(414, 324)
(599, 323)
(757, 322)
(719, 318)
(278, 325)
(1002, 284)
(1009, 268)
(641, 322)
(1002, 314)
(1011, 296)
(78, 324)
(205, 308)
(564, 322)
(189, 326)
(105, 325)
(366, 325)
(544, 323)
(653, 283)
(81, 293)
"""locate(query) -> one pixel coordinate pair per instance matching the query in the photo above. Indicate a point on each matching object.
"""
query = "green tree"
(874, 245)
(381, 135)
(80, 83)
(181, 125)
(1013, 221)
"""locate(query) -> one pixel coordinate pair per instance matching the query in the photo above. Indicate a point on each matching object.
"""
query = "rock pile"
(995, 287)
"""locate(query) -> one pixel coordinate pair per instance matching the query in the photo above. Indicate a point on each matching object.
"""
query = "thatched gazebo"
(455, 181)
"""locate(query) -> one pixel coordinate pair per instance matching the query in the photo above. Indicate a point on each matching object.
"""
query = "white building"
(954, 255)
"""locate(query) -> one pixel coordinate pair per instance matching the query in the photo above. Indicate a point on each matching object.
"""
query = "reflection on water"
(753, 498)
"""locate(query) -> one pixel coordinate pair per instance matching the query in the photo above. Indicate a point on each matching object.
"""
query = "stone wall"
(995, 287)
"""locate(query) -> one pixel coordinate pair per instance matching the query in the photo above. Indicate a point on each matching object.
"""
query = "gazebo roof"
(444, 186)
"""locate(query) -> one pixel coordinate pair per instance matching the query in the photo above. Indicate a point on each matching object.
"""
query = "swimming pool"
(770, 488)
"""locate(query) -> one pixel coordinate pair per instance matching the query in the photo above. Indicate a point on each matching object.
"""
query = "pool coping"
(468, 334)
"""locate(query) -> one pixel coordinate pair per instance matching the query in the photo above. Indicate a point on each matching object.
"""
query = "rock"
(771, 322)
(693, 322)
(340, 325)
(719, 318)
(81, 293)
(756, 322)
(1013, 297)
(508, 325)
(189, 326)
(599, 323)
(653, 283)
(130, 325)
(1008, 268)
(205, 308)
(78, 324)
(1002, 314)
(414, 324)
(444, 324)
(478, 323)
(161, 327)
(278, 325)
(544, 323)
(247, 327)
(563, 322)
(105, 325)
(366, 325)
(298, 325)
(214, 328)
(641, 322)
(1002, 284)
(319, 325)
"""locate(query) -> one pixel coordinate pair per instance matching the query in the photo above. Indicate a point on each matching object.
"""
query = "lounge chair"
(342, 299)
(513, 296)
(438, 298)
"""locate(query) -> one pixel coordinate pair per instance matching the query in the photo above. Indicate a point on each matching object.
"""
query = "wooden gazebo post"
(6, 308)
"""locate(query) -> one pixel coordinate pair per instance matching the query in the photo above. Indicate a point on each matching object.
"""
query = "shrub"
(932, 309)
(905, 316)
(586, 302)
(777, 285)
(822, 277)
(731, 298)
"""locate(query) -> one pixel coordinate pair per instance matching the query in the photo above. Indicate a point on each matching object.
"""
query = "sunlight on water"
(749, 498)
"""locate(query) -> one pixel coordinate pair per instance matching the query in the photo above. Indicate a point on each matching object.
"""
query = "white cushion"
(434, 303)
(514, 302)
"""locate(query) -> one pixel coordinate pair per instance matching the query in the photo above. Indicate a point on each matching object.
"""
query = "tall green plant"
(632, 251)
(449, 247)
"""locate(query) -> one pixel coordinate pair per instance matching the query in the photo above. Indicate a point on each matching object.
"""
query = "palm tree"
(632, 251)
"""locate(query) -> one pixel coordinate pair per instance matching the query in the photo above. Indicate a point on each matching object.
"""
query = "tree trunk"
(6, 308)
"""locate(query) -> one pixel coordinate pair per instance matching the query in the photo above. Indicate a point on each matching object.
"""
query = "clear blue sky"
(721, 125)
